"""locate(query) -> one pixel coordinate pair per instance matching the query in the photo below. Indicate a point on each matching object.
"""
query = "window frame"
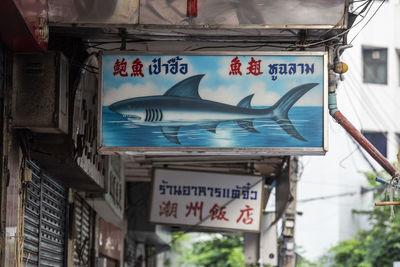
(374, 143)
(371, 66)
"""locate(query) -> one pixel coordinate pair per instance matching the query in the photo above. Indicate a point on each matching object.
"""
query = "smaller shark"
(182, 105)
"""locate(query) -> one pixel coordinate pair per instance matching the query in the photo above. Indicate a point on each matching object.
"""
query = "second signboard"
(211, 200)
(211, 102)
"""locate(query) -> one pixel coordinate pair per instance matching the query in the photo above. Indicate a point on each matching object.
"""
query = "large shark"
(182, 105)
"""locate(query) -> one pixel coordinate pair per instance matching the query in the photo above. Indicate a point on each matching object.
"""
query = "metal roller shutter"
(44, 221)
(83, 241)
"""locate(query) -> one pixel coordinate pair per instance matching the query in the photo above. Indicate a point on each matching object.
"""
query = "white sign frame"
(197, 199)
(142, 139)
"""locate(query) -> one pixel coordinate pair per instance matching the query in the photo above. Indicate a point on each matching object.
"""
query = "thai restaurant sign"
(237, 103)
(201, 199)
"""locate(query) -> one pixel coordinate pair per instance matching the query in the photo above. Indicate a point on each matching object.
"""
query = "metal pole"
(346, 124)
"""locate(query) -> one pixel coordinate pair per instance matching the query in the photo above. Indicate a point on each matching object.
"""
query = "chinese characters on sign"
(274, 69)
(175, 65)
(196, 198)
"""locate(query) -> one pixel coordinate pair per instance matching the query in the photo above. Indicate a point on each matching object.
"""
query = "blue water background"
(308, 120)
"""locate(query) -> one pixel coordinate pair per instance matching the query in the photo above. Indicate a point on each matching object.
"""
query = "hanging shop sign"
(201, 199)
(110, 240)
(231, 102)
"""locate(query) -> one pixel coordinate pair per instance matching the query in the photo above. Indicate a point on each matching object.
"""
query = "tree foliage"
(219, 250)
(379, 246)
(222, 250)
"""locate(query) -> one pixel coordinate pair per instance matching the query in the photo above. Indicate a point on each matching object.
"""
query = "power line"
(365, 98)
(328, 184)
(371, 103)
(327, 197)
(340, 34)
(352, 104)
(364, 5)
(362, 100)
(383, 1)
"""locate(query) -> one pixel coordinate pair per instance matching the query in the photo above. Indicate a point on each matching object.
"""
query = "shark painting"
(182, 105)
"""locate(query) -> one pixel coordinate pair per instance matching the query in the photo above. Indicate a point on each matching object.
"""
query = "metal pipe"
(355, 133)
(346, 124)
(382, 181)
(389, 203)
(341, 48)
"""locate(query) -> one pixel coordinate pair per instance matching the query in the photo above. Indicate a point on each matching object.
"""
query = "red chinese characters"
(235, 67)
(207, 214)
(120, 68)
(158, 66)
(194, 208)
(218, 213)
(254, 67)
(168, 209)
(137, 67)
(245, 215)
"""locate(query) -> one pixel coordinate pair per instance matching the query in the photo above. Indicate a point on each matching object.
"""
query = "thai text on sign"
(202, 199)
(237, 67)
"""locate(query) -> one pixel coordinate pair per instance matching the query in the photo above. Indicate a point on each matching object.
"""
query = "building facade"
(368, 97)
(65, 204)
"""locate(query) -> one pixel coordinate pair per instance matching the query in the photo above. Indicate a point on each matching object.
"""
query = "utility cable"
(352, 104)
(360, 72)
(383, 1)
(367, 108)
(327, 197)
(364, 97)
(365, 6)
(364, 100)
(334, 37)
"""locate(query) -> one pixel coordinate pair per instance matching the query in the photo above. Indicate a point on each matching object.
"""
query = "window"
(379, 140)
(375, 65)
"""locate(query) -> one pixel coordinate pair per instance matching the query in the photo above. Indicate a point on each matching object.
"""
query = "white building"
(369, 97)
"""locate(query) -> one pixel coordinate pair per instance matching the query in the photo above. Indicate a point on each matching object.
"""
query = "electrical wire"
(377, 122)
(340, 34)
(359, 74)
(352, 104)
(357, 1)
(327, 197)
(365, 102)
(328, 184)
(386, 120)
(367, 107)
(367, 160)
(375, 119)
(237, 46)
(373, 15)
(364, 6)
(346, 157)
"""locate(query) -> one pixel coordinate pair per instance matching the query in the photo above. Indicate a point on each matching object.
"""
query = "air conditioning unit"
(40, 95)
